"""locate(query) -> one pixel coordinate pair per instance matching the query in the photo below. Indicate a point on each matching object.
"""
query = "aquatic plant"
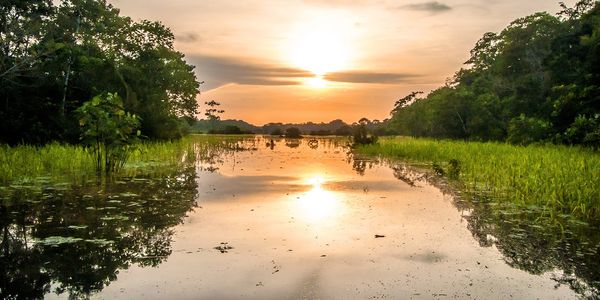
(558, 179)
(109, 131)
(30, 164)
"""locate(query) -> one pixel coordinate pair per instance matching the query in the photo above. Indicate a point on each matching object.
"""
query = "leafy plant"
(109, 130)
(361, 136)
(293, 132)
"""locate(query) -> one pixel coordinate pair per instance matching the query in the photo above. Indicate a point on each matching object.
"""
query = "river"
(277, 219)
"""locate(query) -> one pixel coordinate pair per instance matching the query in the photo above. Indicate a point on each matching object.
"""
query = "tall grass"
(71, 162)
(560, 179)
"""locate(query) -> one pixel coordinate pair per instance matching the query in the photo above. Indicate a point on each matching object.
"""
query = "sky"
(320, 60)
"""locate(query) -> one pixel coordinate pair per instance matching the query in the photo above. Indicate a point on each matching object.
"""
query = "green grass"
(559, 179)
(74, 162)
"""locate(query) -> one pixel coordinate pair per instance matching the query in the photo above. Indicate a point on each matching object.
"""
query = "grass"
(74, 162)
(560, 179)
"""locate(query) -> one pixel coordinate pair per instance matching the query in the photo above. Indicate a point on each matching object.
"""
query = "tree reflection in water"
(75, 239)
(538, 244)
(68, 238)
(529, 239)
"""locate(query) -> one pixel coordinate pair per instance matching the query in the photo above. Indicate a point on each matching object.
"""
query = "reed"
(559, 179)
(73, 162)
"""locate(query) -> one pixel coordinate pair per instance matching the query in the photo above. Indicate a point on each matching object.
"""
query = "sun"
(316, 82)
(320, 45)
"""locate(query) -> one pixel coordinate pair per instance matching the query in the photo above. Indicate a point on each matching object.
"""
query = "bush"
(293, 132)
(108, 130)
(361, 136)
(320, 132)
(524, 130)
(585, 130)
(229, 129)
(277, 132)
(344, 131)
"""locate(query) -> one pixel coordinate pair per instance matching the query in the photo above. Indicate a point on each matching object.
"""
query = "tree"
(58, 55)
(536, 80)
(277, 132)
(293, 133)
(213, 113)
(361, 136)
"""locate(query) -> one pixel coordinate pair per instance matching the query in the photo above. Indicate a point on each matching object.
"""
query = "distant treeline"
(335, 127)
(537, 80)
(55, 55)
(306, 128)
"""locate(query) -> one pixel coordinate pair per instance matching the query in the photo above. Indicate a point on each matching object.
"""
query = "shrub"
(293, 132)
(361, 136)
(108, 130)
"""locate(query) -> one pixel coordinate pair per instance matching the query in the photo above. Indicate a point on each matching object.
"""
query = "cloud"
(189, 37)
(368, 77)
(431, 6)
(339, 3)
(219, 71)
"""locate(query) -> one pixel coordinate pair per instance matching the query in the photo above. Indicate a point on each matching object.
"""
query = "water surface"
(283, 219)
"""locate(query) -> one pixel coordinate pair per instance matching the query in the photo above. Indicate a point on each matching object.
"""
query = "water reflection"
(293, 143)
(318, 204)
(566, 248)
(75, 239)
(530, 240)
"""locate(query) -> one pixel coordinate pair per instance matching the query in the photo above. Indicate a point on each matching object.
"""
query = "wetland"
(269, 218)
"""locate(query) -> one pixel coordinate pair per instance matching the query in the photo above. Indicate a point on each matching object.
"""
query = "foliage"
(213, 112)
(344, 130)
(536, 80)
(277, 132)
(559, 179)
(56, 55)
(108, 130)
(229, 129)
(293, 132)
(27, 164)
(321, 132)
(361, 136)
(524, 130)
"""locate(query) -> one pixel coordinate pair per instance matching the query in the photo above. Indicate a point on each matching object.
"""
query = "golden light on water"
(318, 204)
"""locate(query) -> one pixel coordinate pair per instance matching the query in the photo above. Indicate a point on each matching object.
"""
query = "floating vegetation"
(100, 242)
(77, 227)
(91, 230)
(224, 247)
(115, 218)
(128, 194)
(59, 240)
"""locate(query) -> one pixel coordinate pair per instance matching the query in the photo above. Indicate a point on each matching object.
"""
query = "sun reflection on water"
(318, 204)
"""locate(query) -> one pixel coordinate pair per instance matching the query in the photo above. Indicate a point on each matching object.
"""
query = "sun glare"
(318, 204)
(316, 82)
(320, 45)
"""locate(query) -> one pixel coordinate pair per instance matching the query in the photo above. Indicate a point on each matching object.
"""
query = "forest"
(55, 56)
(538, 80)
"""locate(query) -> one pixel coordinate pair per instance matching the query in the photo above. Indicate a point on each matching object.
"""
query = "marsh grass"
(74, 163)
(556, 179)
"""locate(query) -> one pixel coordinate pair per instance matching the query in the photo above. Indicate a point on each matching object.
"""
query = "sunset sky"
(319, 60)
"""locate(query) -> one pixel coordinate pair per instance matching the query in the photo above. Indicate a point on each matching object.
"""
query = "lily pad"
(59, 240)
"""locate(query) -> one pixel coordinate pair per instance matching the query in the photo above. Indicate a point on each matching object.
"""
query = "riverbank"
(555, 179)
(27, 163)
